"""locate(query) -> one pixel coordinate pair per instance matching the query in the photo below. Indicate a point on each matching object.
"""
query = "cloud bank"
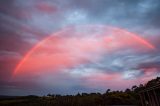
(85, 56)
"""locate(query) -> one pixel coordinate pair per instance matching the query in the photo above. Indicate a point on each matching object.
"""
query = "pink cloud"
(46, 7)
(73, 46)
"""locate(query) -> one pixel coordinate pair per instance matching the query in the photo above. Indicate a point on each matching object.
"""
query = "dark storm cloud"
(7, 6)
(148, 65)
(12, 44)
(12, 28)
(16, 38)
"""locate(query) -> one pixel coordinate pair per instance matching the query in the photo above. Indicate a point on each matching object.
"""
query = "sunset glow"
(74, 46)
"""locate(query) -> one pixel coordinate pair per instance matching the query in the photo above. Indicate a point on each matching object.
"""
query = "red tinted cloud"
(46, 7)
(78, 45)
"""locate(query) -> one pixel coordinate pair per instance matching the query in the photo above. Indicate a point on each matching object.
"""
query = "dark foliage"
(127, 97)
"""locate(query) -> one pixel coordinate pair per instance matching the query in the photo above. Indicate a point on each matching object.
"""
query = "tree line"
(130, 96)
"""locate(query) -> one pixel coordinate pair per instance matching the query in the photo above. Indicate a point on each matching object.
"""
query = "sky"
(71, 46)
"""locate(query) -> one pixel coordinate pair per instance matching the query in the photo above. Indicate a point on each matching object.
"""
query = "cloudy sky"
(71, 46)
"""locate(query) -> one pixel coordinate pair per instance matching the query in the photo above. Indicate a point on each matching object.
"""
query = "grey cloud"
(19, 34)
(148, 65)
